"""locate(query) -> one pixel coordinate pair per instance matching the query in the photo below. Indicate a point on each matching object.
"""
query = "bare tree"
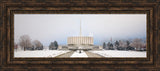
(122, 44)
(38, 44)
(137, 43)
(15, 46)
(25, 42)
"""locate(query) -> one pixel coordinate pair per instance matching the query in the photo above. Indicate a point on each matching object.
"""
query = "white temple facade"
(80, 40)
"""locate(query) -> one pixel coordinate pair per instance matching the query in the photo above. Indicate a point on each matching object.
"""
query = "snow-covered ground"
(77, 54)
(117, 53)
(54, 53)
(39, 53)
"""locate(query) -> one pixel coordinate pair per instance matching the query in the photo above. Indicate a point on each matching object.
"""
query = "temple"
(85, 42)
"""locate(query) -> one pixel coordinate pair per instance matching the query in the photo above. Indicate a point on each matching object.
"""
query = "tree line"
(137, 44)
(25, 43)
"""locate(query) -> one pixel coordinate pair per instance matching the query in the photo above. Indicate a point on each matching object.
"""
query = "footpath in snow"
(77, 54)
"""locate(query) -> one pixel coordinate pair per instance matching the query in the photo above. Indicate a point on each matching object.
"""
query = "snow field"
(116, 53)
(39, 53)
(105, 53)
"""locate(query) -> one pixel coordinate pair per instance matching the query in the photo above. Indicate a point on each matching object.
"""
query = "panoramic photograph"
(80, 36)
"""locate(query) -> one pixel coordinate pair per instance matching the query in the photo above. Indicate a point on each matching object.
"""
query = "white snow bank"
(39, 53)
(116, 53)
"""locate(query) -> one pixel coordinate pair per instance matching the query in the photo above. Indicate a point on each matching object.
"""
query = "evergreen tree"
(51, 46)
(104, 45)
(127, 43)
(117, 44)
(108, 44)
(55, 44)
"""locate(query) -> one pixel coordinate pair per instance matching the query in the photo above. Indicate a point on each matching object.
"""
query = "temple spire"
(80, 29)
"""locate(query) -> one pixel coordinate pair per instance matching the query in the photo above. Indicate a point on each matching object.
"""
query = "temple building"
(80, 41)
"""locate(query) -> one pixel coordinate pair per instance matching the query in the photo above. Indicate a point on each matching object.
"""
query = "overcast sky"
(50, 27)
